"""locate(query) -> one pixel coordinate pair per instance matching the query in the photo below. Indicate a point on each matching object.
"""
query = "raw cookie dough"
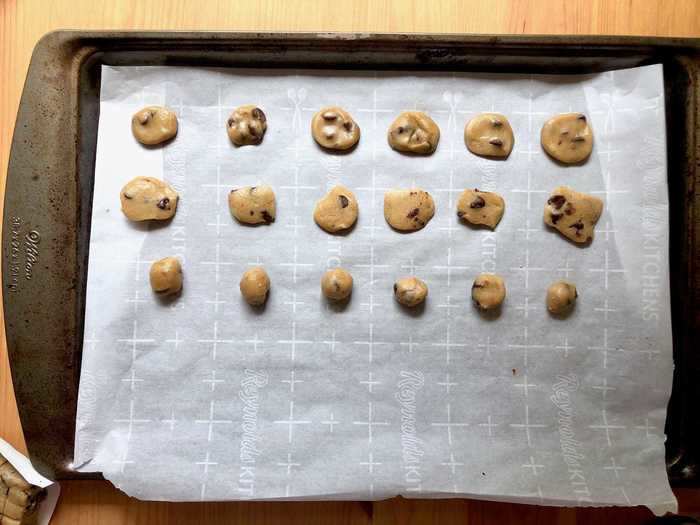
(480, 207)
(414, 132)
(253, 204)
(146, 198)
(574, 214)
(166, 276)
(336, 284)
(410, 291)
(567, 137)
(408, 210)
(489, 135)
(246, 125)
(488, 291)
(154, 125)
(337, 211)
(255, 285)
(333, 128)
(561, 296)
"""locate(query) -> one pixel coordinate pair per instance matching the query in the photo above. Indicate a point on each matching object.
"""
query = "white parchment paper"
(205, 398)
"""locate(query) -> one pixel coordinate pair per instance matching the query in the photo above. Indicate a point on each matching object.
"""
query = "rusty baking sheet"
(46, 224)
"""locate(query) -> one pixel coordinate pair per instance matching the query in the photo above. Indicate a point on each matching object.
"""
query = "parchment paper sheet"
(205, 398)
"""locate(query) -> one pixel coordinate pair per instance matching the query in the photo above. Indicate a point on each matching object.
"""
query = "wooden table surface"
(23, 22)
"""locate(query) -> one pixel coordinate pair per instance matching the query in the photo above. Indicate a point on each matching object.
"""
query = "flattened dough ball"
(408, 210)
(333, 128)
(337, 211)
(147, 198)
(255, 285)
(481, 207)
(166, 276)
(253, 204)
(561, 296)
(572, 213)
(567, 137)
(489, 135)
(488, 291)
(414, 132)
(154, 125)
(246, 125)
(410, 291)
(336, 284)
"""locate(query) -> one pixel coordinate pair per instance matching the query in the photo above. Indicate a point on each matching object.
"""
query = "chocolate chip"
(569, 209)
(343, 201)
(413, 213)
(582, 117)
(395, 288)
(460, 214)
(478, 202)
(234, 191)
(496, 123)
(477, 285)
(230, 122)
(127, 196)
(258, 114)
(555, 218)
(347, 126)
(252, 212)
(578, 225)
(496, 142)
(400, 129)
(413, 193)
(557, 201)
(267, 217)
(164, 203)
(578, 138)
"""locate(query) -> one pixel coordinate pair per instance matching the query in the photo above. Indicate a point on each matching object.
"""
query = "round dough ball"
(255, 285)
(489, 135)
(333, 128)
(146, 198)
(414, 132)
(166, 276)
(337, 211)
(336, 284)
(154, 125)
(561, 296)
(253, 204)
(567, 137)
(480, 207)
(408, 210)
(410, 291)
(488, 291)
(246, 125)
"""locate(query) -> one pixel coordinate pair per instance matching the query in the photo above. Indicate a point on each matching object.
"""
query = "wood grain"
(23, 22)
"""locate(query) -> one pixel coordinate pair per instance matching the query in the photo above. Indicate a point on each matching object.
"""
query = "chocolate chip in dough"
(410, 291)
(246, 125)
(480, 207)
(561, 297)
(337, 211)
(154, 125)
(333, 128)
(572, 213)
(166, 276)
(488, 291)
(253, 204)
(414, 132)
(336, 284)
(255, 286)
(567, 138)
(489, 135)
(408, 210)
(147, 198)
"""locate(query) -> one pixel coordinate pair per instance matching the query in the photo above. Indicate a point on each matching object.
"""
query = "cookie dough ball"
(255, 285)
(489, 135)
(488, 291)
(410, 291)
(480, 207)
(567, 137)
(337, 211)
(572, 213)
(146, 198)
(246, 125)
(166, 276)
(408, 210)
(253, 204)
(333, 128)
(414, 132)
(154, 125)
(336, 284)
(561, 296)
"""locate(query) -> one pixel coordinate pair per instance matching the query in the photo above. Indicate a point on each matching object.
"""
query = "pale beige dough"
(414, 132)
(572, 213)
(255, 285)
(410, 291)
(408, 210)
(480, 207)
(488, 291)
(166, 276)
(567, 137)
(253, 204)
(246, 125)
(337, 210)
(333, 128)
(489, 135)
(336, 284)
(561, 296)
(147, 198)
(154, 125)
